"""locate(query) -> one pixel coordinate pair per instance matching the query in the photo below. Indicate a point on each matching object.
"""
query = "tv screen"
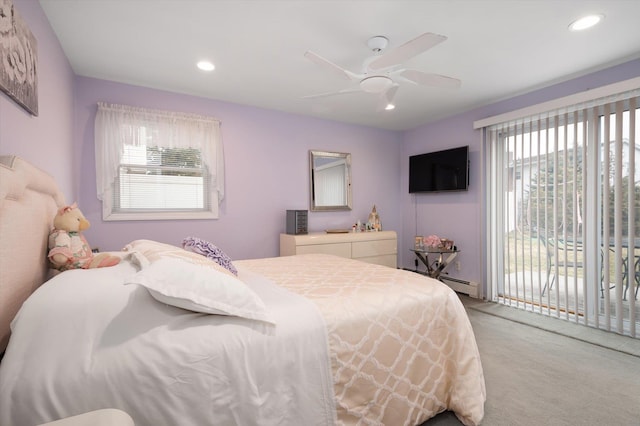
(440, 171)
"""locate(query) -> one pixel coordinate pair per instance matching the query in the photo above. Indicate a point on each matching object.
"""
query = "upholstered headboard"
(29, 199)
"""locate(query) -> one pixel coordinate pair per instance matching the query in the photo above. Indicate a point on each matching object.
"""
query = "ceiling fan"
(382, 73)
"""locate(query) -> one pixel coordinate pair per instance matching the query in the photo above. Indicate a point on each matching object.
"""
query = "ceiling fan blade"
(387, 97)
(426, 79)
(406, 51)
(327, 94)
(326, 64)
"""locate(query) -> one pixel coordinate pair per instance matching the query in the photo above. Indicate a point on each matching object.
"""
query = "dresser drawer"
(373, 248)
(338, 249)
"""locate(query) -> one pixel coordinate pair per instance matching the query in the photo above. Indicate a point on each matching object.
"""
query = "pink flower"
(432, 241)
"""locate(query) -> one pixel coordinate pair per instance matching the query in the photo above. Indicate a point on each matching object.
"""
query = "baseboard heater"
(470, 288)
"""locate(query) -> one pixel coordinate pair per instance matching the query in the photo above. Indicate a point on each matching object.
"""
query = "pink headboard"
(29, 199)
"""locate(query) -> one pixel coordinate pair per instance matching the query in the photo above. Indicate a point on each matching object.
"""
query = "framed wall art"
(18, 59)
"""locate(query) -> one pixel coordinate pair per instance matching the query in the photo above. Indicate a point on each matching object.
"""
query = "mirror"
(330, 178)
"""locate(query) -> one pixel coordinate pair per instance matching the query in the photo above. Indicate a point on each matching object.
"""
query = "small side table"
(436, 259)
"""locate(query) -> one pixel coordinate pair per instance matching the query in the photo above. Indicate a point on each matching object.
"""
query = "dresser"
(373, 247)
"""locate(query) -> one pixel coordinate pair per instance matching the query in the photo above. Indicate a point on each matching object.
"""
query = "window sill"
(112, 217)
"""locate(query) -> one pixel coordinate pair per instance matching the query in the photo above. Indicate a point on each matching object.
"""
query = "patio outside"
(530, 284)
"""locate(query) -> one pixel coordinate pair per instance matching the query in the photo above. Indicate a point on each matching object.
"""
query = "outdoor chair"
(552, 262)
(565, 247)
(628, 275)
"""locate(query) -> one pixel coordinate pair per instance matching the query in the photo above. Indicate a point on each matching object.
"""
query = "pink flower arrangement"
(432, 241)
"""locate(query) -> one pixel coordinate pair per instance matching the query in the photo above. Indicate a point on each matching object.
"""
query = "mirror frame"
(313, 155)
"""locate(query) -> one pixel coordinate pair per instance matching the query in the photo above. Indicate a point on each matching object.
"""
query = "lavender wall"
(266, 160)
(45, 140)
(458, 215)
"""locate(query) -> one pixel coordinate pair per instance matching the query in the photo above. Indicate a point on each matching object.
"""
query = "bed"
(306, 339)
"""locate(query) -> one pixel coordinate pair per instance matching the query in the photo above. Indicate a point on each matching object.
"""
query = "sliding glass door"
(563, 213)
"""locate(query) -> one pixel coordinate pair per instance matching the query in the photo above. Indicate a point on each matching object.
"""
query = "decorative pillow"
(149, 247)
(154, 251)
(210, 251)
(200, 287)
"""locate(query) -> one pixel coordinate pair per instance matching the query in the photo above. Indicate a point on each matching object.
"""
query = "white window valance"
(119, 126)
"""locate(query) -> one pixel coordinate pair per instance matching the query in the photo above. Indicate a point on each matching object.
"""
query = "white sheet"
(83, 341)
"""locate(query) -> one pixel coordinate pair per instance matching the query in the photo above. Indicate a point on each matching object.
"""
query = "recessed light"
(206, 66)
(389, 107)
(586, 22)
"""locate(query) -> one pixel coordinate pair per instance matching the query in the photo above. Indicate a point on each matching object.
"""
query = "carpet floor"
(539, 372)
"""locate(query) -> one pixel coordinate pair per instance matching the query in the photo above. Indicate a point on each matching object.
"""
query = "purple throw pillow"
(210, 251)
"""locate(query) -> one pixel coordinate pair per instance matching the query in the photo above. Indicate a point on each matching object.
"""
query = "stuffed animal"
(68, 248)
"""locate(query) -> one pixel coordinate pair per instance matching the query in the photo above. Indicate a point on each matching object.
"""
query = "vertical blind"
(563, 212)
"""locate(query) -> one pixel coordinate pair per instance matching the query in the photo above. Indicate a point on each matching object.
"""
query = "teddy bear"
(68, 248)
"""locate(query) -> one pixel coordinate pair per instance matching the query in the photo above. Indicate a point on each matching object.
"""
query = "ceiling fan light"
(377, 43)
(376, 84)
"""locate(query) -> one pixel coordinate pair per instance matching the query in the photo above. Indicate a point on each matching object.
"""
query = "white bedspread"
(83, 341)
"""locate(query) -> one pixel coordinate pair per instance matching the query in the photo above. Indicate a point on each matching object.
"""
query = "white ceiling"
(498, 48)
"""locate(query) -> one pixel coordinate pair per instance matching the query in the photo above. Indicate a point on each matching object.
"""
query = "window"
(564, 212)
(157, 164)
(151, 178)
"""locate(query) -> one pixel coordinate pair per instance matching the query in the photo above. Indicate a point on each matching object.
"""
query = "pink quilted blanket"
(401, 345)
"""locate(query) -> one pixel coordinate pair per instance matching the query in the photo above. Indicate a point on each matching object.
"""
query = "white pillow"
(200, 287)
(153, 251)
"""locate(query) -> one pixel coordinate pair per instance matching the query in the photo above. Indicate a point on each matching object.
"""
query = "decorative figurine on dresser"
(373, 223)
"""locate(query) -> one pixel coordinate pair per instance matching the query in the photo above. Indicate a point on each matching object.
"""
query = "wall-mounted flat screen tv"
(440, 171)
